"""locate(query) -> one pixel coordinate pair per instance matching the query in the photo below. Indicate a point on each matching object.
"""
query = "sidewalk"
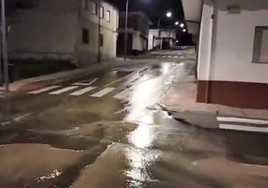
(22, 84)
(181, 97)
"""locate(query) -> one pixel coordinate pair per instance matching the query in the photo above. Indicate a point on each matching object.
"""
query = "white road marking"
(163, 57)
(169, 56)
(243, 128)
(103, 92)
(82, 91)
(118, 80)
(243, 120)
(91, 81)
(43, 90)
(60, 91)
(122, 95)
(175, 56)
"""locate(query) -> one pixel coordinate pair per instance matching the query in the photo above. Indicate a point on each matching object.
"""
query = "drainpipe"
(197, 48)
(4, 46)
(212, 56)
(99, 31)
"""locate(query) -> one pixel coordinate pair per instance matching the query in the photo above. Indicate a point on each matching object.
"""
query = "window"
(101, 40)
(85, 36)
(101, 12)
(94, 8)
(260, 53)
(84, 4)
(108, 16)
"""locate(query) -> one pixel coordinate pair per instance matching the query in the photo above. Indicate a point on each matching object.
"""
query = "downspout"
(213, 17)
(197, 49)
(99, 30)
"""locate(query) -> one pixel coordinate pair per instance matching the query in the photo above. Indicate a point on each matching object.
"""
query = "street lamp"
(168, 14)
(4, 46)
(176, 23)
(184, 30)
(125, 40)
(182, 25)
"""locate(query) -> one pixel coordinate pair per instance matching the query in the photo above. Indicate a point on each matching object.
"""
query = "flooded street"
(110, 130)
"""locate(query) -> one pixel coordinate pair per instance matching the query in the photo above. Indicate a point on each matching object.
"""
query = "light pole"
(125, 40)
(4, 45)
(168, 14)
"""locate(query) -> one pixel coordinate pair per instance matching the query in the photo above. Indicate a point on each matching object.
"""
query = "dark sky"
(154, 8)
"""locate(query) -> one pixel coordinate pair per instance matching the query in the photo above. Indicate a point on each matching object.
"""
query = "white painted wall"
(204, 60)
(234, 47)
(164, 34)
(137, 41)
(150, 41)
(114, 18)
(230, 57)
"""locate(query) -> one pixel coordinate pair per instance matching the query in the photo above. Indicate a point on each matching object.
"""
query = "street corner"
(201, 120)
(38, 165)
(120, 165)
(30, 164)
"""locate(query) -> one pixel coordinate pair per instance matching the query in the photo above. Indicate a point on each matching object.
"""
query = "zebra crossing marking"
(86, 82)
(43, 90)
(243, 124)
(122, 95)
(103, 92)
(243, 128)
(242, 120)
(63, 90)
(82, 91)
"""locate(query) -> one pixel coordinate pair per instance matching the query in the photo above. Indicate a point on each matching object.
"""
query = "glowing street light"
(169, 14)
(182, 25)
(177, 23)
(184, 30)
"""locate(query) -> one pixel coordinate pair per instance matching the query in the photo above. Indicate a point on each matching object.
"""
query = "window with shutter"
(260, 54)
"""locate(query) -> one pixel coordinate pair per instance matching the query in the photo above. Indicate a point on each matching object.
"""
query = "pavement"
(113, 128)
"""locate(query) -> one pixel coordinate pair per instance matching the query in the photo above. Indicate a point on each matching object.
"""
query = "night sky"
(154, 8)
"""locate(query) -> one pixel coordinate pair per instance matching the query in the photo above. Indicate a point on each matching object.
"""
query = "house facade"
(233, 53)
(137, 33)
(63, 29)
(161, 38)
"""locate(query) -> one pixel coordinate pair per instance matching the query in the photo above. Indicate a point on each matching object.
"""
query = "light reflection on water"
(146, 93)
(138, 161)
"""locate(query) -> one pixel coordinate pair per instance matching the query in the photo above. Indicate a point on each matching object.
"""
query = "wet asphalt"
(62, 140)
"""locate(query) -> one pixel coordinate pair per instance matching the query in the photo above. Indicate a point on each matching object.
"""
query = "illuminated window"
(108, 16)
(101, 12)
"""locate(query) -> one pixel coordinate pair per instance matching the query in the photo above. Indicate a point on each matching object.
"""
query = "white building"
(161, 38)
(65, 29)
(137, 33)
(233, 52)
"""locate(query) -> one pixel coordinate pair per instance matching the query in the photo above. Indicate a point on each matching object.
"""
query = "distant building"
(232, 51)
(161, 38)
(65, 29)
(138, 28)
